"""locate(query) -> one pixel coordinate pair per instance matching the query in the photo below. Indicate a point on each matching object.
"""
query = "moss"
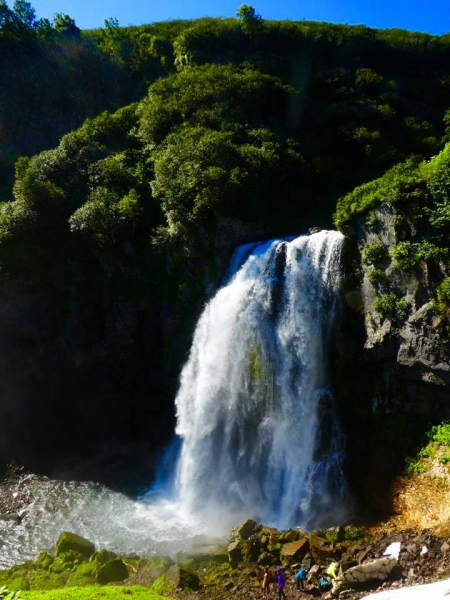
(113, 570)
(44, 560)
(20, 583)
(256, 364)
(159, 585)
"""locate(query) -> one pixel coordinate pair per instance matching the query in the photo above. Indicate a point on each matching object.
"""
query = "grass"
(437, 447)
(94, 593)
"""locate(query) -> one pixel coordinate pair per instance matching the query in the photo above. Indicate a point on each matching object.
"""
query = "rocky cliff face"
(406, 342)
(393, 361)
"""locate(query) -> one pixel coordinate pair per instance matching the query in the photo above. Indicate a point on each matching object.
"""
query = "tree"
(65, 25)
(251, 23)
(25, 13)
(6, 16)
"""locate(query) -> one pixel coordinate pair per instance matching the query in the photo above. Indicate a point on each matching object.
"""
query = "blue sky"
(417, 15)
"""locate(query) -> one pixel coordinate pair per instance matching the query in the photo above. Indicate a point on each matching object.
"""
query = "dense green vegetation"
(132, 160)
(419, 192)
(437, 447)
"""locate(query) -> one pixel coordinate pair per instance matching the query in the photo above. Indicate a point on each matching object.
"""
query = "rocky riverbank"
(213, 570)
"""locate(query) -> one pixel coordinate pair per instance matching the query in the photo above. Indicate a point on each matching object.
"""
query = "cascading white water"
(255, 415)
(255, 412)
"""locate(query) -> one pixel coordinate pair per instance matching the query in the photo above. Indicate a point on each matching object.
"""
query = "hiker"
(281, 582)
(324, 583)
(300, 578)
(266, 583)
(332, 570)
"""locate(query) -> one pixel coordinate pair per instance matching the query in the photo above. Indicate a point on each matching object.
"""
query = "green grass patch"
(438, 443)
(93, 593)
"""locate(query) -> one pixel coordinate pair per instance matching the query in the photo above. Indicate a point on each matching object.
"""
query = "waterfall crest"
(255, 410)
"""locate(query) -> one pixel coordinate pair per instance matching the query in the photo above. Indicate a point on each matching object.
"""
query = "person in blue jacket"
(300, 577)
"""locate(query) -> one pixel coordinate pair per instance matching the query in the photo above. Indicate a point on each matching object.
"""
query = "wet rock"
(44, 561)
(11, 517)
(294, 551)
(291, 535)
(321, 549)
(111, 571)
(247, 529)
(181, 578)
(103, 556)
(71, 541)
(235, 552)
(335, 534)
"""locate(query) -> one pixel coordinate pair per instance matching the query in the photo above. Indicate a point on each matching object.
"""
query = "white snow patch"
(431, 591)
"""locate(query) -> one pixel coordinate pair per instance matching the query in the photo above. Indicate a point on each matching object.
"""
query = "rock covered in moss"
(103, 556)
(235, 552)
(181, 578)
(246, 529)
(44, 560)
(113, 570)
(20, 583)
(83, 575)
(71, 541)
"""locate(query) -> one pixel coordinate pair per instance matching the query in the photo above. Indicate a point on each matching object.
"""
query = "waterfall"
(255, 411)
(256, 421)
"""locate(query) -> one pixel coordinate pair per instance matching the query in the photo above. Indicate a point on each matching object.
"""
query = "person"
(332, 570)
(266, 583)
(300, 577)
(281, 582)
(324, 583)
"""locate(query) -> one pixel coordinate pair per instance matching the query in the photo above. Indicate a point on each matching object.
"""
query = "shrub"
(373, 253)
(377, 276)
(385, 305)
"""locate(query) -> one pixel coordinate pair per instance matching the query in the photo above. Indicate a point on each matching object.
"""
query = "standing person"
(281, 582)
(300, 577)
(332, 570)
(266, 583)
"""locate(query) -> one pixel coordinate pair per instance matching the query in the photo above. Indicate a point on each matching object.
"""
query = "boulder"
(291, 535)
(247, 529)
(294, 551)
(149, 569)
(181, 578)
(44, 560)
(113, 570)
(18, 584)
(252, 550)
(71, 541)
(235, 552)
(335, 534)
(267, 560)
(103, 556)
(321, 549)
